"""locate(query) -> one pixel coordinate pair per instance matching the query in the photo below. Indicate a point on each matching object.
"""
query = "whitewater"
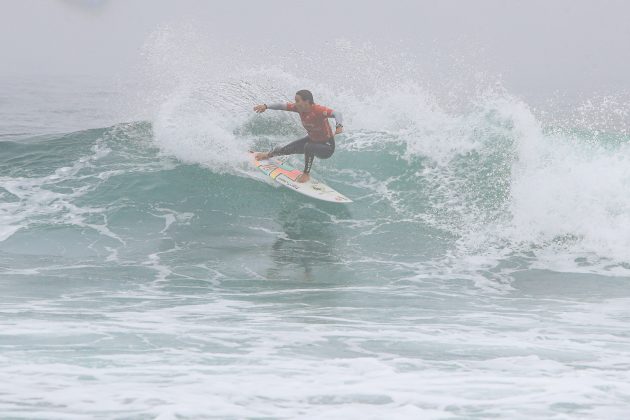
(147, 270)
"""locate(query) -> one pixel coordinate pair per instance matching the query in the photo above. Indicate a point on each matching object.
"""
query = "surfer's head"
(303, 100)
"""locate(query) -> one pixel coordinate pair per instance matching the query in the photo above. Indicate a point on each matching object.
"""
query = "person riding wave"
(320, 141)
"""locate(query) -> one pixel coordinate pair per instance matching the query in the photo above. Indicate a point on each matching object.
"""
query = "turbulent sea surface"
(147, 271)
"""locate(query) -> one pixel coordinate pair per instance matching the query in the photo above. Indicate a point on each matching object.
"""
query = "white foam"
(237, 358)
(34, 199)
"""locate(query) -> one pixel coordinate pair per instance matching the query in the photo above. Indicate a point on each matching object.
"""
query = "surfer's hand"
(260, 108)
(339, 130)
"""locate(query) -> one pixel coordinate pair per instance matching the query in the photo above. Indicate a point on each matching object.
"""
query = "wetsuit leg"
(294, 148)
(321, 150)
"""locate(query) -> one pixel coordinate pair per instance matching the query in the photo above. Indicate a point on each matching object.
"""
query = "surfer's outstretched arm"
(289, 106)
(280, 106)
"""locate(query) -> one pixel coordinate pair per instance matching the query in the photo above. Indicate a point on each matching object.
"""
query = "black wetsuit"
(309, 148)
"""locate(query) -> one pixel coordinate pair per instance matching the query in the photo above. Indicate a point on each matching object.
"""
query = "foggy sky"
(537, 46)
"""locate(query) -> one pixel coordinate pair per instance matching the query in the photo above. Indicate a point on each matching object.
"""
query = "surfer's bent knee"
(321, 150)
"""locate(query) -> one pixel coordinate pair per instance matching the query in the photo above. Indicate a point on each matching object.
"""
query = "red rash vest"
(315, 121)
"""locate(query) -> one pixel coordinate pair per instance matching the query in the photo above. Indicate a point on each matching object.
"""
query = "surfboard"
(278, 169)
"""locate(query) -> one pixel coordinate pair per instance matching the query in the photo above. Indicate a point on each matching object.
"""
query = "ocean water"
(148, 271)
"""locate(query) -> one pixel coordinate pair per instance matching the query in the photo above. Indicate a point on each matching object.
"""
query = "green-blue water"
(147, 271)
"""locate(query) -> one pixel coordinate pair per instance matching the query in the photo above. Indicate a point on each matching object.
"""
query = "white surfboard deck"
(278, 169)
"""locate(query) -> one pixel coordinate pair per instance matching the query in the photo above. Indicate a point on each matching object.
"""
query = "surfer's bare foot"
(303, 177)
(261, 155)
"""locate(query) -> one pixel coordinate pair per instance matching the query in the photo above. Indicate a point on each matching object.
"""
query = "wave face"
(483, 265)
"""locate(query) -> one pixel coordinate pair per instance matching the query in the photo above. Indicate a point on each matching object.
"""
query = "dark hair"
(306, 95)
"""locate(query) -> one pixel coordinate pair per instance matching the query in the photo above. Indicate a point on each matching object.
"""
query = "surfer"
(320, 141)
